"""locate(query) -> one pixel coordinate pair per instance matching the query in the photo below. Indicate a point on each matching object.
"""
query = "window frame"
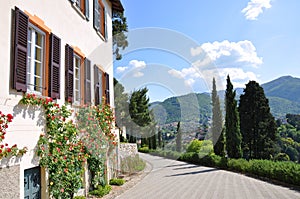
(31, 51)
(77, 64)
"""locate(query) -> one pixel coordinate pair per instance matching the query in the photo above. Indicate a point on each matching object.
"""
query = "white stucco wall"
(65, 22)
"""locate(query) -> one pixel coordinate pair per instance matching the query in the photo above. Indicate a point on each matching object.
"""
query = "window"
(100, 18)
(36, 66)
(78, 77)
(82, 6)
(101, 80)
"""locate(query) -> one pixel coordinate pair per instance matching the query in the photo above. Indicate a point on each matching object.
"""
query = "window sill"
(78, 11)
(101, 36)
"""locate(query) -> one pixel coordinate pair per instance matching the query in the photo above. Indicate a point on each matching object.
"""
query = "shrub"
(132, 164)
(282, 157)
(101, 191)
(144, 149)
(116, 181)
(240, 165)
(194, 146)
(79, 197)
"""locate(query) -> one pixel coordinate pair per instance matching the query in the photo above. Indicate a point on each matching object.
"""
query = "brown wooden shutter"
(107, 95)
(97, 85)
(69, 73)
(54, 67)
(20, 54)
(87, 81)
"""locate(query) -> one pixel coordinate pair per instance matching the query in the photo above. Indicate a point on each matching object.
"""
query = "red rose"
(6, 144)
(9, 116)
(8, 150)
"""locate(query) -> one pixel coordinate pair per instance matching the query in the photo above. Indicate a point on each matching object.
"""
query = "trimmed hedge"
(283, 171)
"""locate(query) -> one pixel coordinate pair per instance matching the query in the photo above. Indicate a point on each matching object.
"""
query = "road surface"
(173, 179)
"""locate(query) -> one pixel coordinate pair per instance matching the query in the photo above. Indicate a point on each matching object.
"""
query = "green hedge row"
(283, 171)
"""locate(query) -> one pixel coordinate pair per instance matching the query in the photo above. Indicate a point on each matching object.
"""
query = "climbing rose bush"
(5, 150)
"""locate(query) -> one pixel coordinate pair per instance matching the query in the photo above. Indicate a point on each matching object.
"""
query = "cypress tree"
(178, 138)
(232, 124)
(258, 126)
(217, 122)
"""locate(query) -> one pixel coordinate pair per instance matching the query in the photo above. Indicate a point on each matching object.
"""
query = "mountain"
(286, 87)
(283, 94)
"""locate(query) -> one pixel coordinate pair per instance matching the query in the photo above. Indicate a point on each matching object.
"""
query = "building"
(53, 48)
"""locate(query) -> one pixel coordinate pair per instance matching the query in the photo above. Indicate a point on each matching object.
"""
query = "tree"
(258, 126)
(178, 138)
(217, 122)
(159, 138)
(232, 124)
(119, 24)
(139, 113)
(121, 104)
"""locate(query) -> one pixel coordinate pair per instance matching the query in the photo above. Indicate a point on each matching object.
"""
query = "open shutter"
(107, 95)
(87, 81)
(105, 24)
(96, 15)
(54, 67)
(69, 73)
(87, 11)
(97, 85)
(20, 54)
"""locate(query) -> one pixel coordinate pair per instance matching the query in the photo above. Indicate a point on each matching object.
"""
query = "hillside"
(285, 87)
(283, 94)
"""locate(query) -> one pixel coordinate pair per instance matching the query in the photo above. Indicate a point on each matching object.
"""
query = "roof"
(117, 5)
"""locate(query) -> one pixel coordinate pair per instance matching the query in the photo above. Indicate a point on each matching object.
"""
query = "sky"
(177, 47)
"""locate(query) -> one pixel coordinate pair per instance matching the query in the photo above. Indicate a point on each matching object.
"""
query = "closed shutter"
(107, 94)
(96, 15)
(97, 85)
(54, 67)
(87, 81)
(20, 54)
(87, 11)
(69, 73)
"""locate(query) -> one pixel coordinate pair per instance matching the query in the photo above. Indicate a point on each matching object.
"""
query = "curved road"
(174, 179)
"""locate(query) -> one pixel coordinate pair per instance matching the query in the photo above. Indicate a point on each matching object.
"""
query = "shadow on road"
(193, 172)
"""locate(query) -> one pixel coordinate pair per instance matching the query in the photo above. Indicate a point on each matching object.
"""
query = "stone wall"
(10, 182)
(127, 149)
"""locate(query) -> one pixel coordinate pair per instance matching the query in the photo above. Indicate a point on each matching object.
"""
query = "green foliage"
(217, 122)
(232, 123)
(119, 25)
(178, 138)
(79, 197)
(294, 120)
(101, 191)
(117, 181)
(132, 164)
(258, 126)
(144, 149)
(194, 146)
(282, 157)
(240, 165)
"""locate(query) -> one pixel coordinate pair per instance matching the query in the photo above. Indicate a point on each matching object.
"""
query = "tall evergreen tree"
(258, 126)
(178, 138)
(159, 138)
(232, 124)
(139, 113)
(217, 122)
(119, 25)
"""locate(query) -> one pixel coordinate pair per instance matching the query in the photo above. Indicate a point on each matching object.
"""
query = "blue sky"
(247, 39)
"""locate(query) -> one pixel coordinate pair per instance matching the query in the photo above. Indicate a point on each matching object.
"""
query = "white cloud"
(175, 73)
(255, 8)
(226, 53)
(137, 64)
(238, 76)
(189, 82)
(121, 69)
(138, 74)
(196, 51)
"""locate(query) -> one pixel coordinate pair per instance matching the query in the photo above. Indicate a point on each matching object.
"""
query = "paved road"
(173, 179)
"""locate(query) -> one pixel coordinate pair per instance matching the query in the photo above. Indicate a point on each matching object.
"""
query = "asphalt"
(175, 179)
